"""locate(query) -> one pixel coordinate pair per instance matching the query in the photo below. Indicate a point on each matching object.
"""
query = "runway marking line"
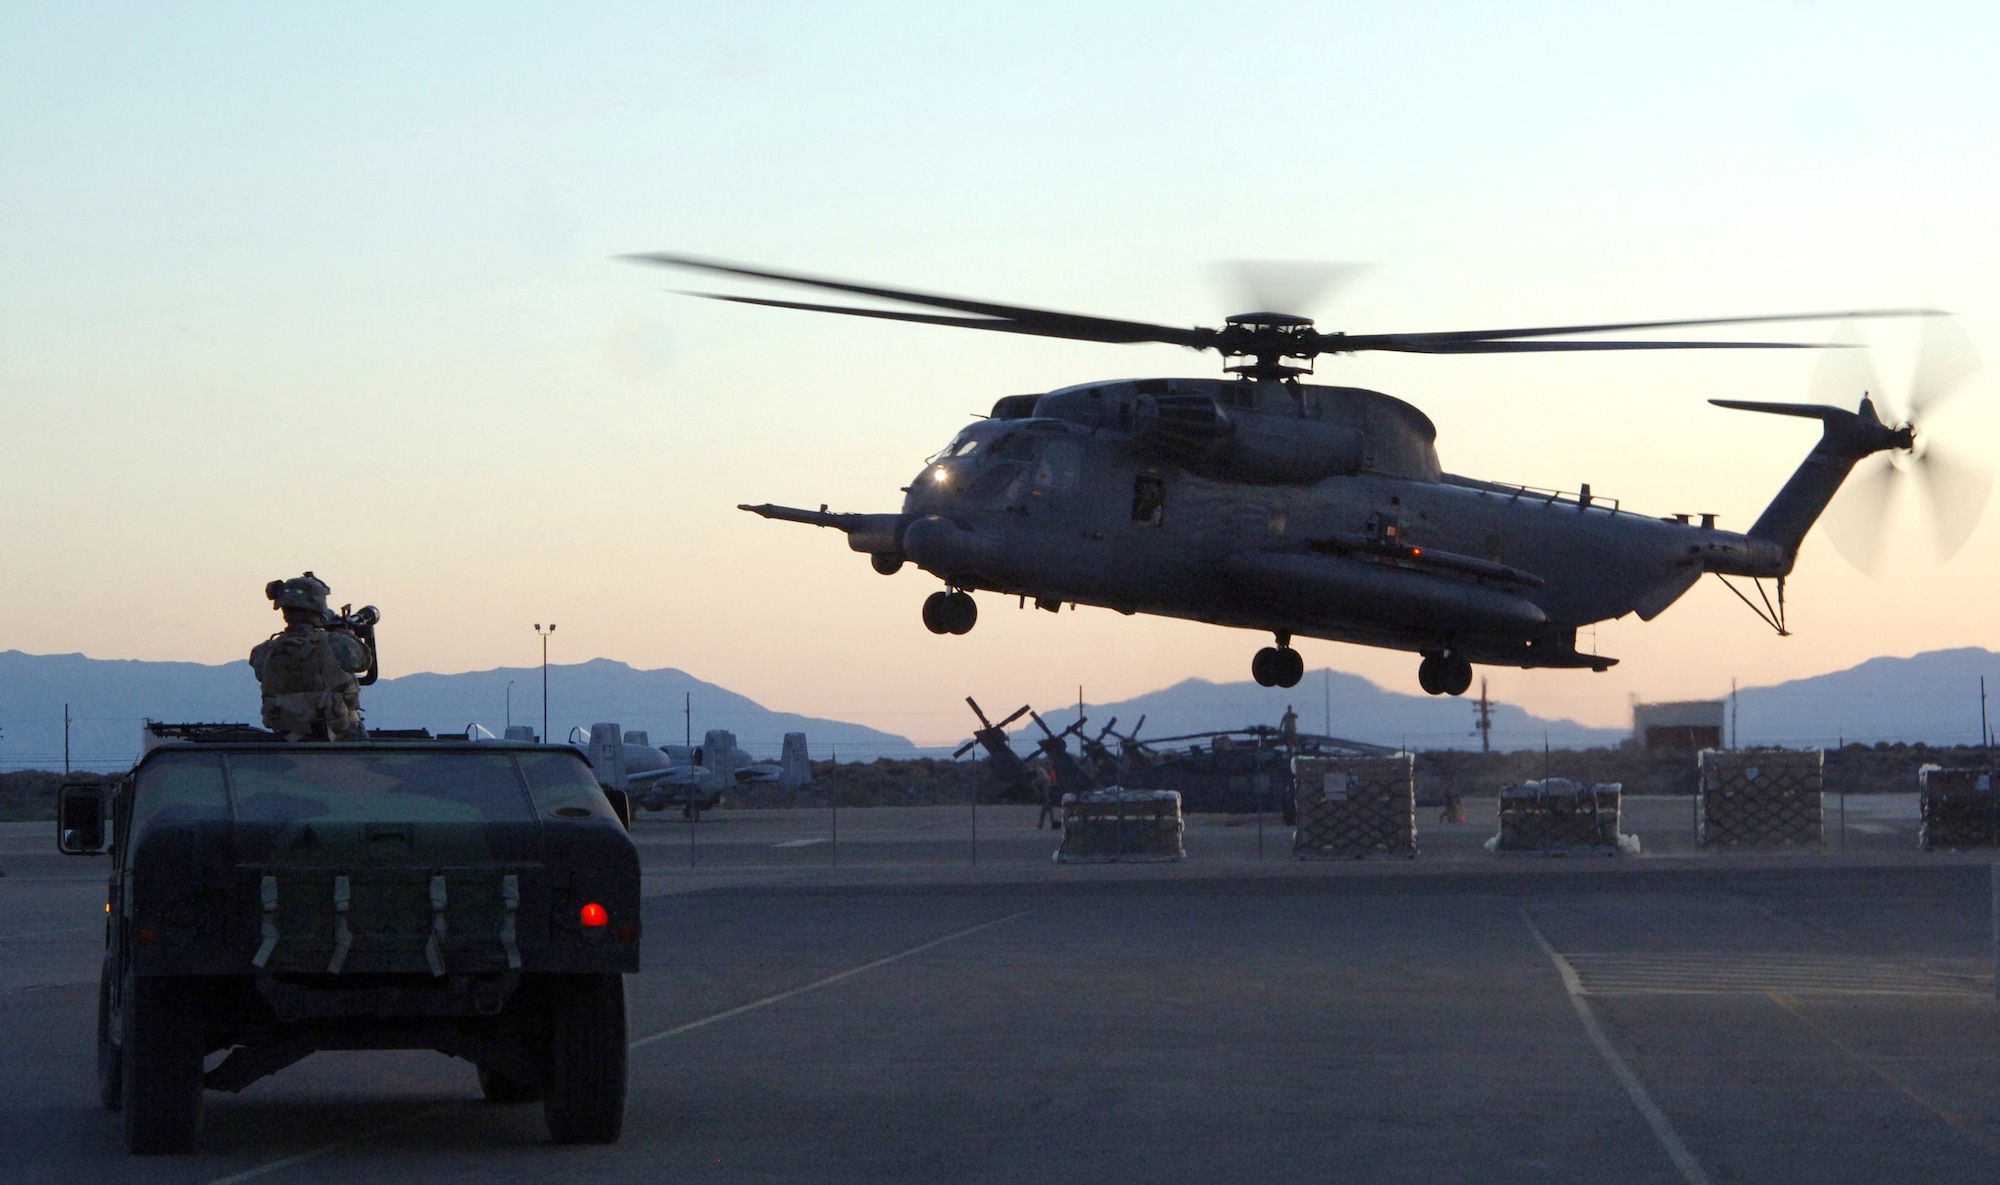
(332, 1146)
(829, 981)
(677, 1030)
(1790, 1004)
(1759, 973)
(97, 927)
(1663, 1129)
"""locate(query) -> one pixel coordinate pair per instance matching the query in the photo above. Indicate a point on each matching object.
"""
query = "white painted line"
(798, 843)
(273, 1166)
(829, 981)
(97, 927)
(739, 1010)
(1663, 1130)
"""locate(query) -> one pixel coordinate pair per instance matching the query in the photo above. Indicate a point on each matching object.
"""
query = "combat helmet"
(300, 592)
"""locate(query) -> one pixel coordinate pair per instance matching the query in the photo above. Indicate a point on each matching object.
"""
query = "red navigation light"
(594, 915)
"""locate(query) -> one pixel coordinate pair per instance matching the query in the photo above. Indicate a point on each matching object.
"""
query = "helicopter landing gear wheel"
(950, 612)
(1444, 674)
(963, 614)
(937, 608)
(1277, 666)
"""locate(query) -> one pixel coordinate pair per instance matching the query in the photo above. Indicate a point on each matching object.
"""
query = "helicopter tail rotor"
(1952, 487)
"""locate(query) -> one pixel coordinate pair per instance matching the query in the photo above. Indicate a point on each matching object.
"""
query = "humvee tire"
(110, 1058)
(163, 1050)
(585, 1103)
(498, 1088)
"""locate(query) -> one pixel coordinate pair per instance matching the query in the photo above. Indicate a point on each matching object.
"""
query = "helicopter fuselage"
(1300, 510)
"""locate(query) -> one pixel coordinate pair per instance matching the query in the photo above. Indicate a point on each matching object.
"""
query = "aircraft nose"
(940, 545)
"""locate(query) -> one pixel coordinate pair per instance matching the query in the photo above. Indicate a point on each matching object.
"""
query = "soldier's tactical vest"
(306, 689)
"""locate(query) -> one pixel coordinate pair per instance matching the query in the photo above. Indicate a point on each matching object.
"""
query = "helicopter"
(1261, 501)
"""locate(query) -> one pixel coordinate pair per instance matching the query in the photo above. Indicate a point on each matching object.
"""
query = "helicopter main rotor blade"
(1417, 342)
(1337, 345)
(1284, 285)
(1846, 374)
(1040, 322)
(1234, 340)
(1108, 331)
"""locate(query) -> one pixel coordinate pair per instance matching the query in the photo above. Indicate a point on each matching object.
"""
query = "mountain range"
(109, 700)
(1933, 697)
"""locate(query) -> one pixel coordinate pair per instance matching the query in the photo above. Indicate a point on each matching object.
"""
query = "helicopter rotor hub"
(1266, 341)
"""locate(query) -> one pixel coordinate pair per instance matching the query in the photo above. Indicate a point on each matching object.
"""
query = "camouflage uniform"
(307, 671)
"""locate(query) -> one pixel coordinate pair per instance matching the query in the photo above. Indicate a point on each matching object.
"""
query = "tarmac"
(878, 997)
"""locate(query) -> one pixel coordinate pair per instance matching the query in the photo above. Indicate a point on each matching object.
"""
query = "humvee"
(271, 899)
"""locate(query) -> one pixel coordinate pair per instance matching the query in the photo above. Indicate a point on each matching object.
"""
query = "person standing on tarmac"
(307, 670)
(1044, 788)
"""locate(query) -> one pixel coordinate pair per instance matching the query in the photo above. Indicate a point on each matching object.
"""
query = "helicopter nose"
(940, 545)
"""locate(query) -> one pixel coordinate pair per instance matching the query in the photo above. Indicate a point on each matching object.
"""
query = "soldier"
(307, 670)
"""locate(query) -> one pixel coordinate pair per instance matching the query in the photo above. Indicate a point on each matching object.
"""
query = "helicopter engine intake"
(1198, 433)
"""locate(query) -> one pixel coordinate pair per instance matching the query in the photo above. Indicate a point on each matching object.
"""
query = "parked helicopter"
(1264, 502)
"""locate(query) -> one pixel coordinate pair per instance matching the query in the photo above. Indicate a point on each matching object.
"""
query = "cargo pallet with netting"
(1760, 798)
(1558, 817)
(1355, 807)
(1960, 809)
(1116, 825)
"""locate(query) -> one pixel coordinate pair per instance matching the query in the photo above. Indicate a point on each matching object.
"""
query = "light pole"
(510, 704)
(544, 636)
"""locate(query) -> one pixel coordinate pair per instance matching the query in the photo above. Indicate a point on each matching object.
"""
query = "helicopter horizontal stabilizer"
(1845, 438)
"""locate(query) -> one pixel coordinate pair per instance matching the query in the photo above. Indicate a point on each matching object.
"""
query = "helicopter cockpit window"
(1059, 464)
(1015, 446)
(961, 446)
(993, 483)
(1149, 500)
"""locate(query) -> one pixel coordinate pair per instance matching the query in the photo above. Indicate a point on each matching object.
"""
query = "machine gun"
(362, 625)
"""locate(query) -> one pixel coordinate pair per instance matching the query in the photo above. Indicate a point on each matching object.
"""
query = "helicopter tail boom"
(1846, 437)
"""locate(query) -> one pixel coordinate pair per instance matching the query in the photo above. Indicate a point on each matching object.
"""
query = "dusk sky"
(282, 291)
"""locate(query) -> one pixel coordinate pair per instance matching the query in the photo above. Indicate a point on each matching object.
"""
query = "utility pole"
(1485, 722)
(544, 636)
(1985, 737)
(687, 719)
(1982, 684)
(1736, 742)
